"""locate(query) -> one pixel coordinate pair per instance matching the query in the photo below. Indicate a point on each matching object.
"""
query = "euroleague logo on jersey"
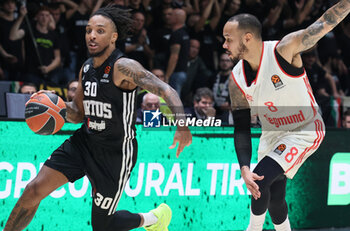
(277, 82)
(280, 149)
(107, 70)
(105, 75)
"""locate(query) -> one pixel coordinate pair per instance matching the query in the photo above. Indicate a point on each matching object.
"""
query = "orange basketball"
(45, 113)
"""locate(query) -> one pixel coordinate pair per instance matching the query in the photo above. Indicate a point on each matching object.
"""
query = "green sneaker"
(163, 213)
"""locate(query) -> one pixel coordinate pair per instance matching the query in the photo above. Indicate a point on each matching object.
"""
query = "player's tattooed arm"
(238, 100)
(19, 218)
(299, 41)
(134, 73)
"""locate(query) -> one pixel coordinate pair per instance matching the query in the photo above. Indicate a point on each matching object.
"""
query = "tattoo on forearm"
(327, 22)
(127, 71)
(310, 37)
(238, 100)
(329, 17)
(20, 218)
(141, 77)
(150, 82)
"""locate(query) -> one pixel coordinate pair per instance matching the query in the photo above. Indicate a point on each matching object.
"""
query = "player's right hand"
(249, 179)
(184, 137)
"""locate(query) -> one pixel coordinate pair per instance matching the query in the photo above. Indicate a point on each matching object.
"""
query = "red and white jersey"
(283, 102)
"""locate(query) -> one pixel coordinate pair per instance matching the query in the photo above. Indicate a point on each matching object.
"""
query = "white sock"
(149, 219)
(256, 222)
(285, 226)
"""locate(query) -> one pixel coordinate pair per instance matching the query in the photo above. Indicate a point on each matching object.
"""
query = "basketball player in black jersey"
(104, 148)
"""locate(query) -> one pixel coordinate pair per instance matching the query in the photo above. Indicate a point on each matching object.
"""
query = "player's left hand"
(249, 179)
(184, 137)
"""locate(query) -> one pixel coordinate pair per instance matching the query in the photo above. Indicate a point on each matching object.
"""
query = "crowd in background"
(43, 42)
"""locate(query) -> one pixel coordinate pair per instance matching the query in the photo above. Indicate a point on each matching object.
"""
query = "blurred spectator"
(2, 75)
(28, 88)
(284, 16)
(220, 86)
(159, 73)
(175, 73)
(203, 28)
(229, 9)
(119, 2)
(43, 68)
(197, 74)
(157, 20)
(186, 5)
(136, 5)
(346, 119)
(149, 102)
(61, 10)
(254, 7)
(318, 77)
(12, 52)
(203, 102)
(71, 89)
(339, 74)
(305, 13)
(77, 21)
(273, 21)
(137, 45)
(343, 41)
(319, 80)
(160, 39)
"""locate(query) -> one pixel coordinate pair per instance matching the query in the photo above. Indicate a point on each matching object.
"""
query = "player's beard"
(241, 50)
(99, 53)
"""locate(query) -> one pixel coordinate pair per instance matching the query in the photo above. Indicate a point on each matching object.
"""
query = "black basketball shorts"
(108, 168)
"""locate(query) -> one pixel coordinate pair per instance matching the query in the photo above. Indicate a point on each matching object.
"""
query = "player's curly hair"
(120, 17)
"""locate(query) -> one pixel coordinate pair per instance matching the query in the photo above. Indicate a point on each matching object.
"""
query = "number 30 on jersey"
(90, 89)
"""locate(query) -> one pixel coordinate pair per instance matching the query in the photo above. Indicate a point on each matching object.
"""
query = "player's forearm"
(174, 103)
(242, 136)
(330, 19)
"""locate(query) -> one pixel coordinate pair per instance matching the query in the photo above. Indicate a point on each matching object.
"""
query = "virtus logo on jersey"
(277, 82)
(339, 179)
(86, 68)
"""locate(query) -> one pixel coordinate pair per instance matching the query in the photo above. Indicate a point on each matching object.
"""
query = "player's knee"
(106, 223)
(100, 225)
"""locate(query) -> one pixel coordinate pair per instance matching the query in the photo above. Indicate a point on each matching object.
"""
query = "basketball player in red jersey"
(104, 148)
(269, 80)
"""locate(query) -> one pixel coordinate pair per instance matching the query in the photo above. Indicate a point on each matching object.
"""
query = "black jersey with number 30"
(109, 111)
